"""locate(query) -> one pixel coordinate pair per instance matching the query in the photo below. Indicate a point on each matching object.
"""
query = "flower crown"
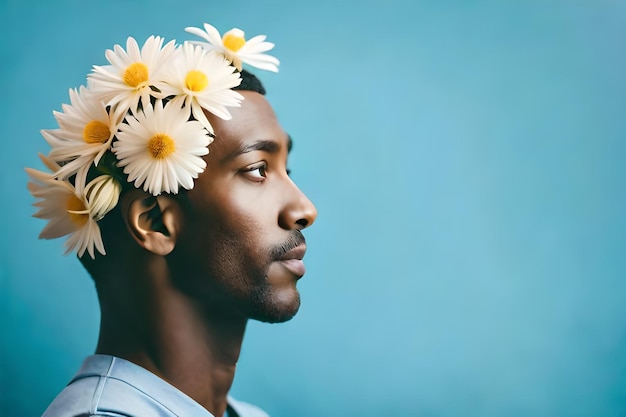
(140, 120)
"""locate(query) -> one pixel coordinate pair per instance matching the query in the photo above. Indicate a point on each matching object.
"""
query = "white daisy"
(161, 149)
(85, 133)
(235, 48)
(102, 194)
(50, 164)
(132, 73)
(202, 80)
(67, 211)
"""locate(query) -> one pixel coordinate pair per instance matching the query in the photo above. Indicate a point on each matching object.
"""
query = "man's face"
(240, 249)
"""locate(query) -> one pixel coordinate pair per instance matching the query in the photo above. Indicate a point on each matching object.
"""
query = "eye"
(257, 172)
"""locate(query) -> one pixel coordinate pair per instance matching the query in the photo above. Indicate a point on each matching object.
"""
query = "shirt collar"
(145, 381)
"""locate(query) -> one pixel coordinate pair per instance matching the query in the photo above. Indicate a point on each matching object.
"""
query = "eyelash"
(262, 168)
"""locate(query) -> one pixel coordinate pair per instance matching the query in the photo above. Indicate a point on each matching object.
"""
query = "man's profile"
(179, 204)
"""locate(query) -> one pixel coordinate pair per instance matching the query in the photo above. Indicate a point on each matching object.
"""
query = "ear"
(154, 222)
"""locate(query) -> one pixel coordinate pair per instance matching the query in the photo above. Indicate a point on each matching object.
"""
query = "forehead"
(255, 120)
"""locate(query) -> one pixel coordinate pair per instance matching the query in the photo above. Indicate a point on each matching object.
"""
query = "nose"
(298, 211)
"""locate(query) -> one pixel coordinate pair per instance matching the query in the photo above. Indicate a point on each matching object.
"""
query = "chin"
(277, 307)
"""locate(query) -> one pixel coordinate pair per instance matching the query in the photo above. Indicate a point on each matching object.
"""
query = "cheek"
(232, 224)
(219, 263)
(229, 243)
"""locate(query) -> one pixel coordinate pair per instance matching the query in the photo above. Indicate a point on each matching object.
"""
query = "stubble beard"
(236, 281)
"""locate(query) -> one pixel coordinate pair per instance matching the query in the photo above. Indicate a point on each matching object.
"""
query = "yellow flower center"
(96, 132)
(76, 210)
(233, 42)
(196, 80)
(161, 146)
(136, 74)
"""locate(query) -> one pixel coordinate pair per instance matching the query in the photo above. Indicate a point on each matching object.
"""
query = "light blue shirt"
(113, 387)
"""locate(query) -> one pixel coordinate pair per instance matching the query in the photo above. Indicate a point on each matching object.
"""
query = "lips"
(292, 260)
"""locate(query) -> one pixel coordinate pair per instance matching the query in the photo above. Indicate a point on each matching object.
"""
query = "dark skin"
(184, 278)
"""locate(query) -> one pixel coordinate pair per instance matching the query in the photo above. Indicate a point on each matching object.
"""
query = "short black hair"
(250, 82)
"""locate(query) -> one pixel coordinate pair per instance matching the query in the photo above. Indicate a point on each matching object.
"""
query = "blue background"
(467, 162)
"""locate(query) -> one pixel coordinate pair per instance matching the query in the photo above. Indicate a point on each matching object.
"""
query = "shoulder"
(74, 400)
(97, 396)
(108, 386)
(63, 413)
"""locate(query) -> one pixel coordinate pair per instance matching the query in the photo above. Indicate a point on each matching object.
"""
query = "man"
(184, 272)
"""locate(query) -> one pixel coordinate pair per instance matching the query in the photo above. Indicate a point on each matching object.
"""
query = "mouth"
(292, 260)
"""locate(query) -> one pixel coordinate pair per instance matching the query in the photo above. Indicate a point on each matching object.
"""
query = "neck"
(149, 322)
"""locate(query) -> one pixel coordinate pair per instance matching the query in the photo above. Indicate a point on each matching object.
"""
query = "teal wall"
(468, 163)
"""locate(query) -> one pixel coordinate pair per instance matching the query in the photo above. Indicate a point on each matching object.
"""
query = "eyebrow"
(265, 145)
(269, 146)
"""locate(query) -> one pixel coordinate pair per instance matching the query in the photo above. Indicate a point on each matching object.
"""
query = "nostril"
(303, 223)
